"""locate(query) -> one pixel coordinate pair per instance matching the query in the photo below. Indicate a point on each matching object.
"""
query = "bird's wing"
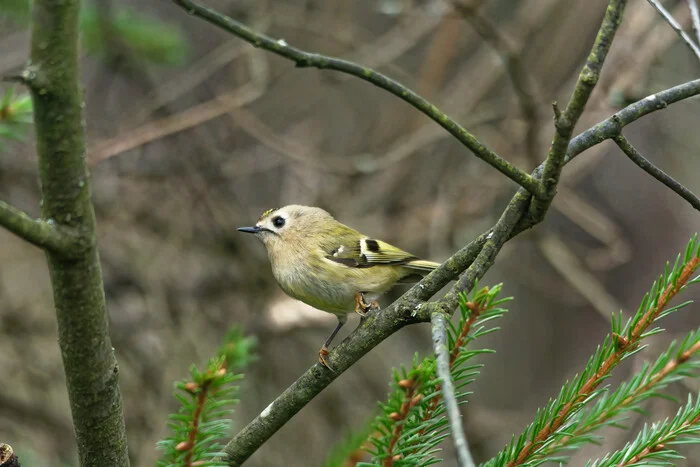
(365, 252)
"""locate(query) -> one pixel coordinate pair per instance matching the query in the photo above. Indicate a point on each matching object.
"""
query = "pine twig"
(644, 164)
(625, 345)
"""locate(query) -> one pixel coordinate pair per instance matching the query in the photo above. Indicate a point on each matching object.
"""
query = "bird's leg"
(324, 350)
(361, 305)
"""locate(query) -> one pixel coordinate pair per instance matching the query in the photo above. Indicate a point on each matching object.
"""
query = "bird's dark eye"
(278, 221)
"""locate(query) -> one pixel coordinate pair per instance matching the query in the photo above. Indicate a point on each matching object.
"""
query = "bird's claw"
(322, 358)
(362, 307)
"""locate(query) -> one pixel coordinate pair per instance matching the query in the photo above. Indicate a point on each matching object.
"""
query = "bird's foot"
(361, 305)
(322, 358)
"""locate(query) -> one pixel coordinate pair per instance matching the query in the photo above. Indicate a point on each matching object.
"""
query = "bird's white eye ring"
(278, 221)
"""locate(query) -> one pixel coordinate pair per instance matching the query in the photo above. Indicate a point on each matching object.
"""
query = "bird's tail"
(422, 265)
(415, 270)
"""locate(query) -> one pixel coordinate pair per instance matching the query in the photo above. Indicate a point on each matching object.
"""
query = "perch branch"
(51, 237)
(448, 391)
(565, 121)
(634, 155)
(304, 59)
(668, 17)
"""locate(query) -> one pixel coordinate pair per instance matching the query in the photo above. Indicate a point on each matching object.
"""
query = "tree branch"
(46, 235)
(695, 15)
(88, 357)
(612, 126)
(448, 391)
(668, 17)
(644, 164)
(305, 59)
(565, 122)
(524, 84)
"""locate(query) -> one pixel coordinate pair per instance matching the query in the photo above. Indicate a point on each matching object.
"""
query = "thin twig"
(448, 391)
(565, 122)
(40, 233)
(524, 84)
(695, 16)
(644, 164)
(676, 27)
(304, 59)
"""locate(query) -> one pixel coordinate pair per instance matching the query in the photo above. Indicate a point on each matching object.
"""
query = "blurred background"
(192, 133)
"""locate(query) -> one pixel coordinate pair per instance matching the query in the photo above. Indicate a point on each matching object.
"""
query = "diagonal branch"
(448, 391)
(524, 84)
(45, 235)
(304, 59)
(695, 16)
(644, 164)
(668, 17)
(564, 122)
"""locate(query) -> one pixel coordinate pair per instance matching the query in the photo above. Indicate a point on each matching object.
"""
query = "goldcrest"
(329, 265)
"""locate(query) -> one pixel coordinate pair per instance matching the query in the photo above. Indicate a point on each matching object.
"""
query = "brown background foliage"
(183, 155)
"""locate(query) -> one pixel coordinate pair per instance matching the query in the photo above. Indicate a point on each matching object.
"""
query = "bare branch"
(695, 15)
(644, 164)
(44, 234)
(676, 27)
(304, 59)
(524, 84)
(564, 124)
(448, 391)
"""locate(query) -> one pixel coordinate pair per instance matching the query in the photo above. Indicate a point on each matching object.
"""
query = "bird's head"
(290, 227)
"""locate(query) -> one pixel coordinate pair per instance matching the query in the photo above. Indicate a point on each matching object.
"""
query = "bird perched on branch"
(329, 265)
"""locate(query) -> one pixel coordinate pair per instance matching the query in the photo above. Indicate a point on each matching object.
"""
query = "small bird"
(329, 265)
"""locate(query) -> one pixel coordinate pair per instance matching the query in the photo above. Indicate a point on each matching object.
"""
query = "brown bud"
(221, 372)
(404, 407)
(395, 416)
(405, 383)
(198, 463)
(396, 457)
(184, 446)
(621, 341)
(416, 400)
(191, 387)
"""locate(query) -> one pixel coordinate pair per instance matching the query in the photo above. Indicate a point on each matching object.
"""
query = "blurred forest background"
(192, 133)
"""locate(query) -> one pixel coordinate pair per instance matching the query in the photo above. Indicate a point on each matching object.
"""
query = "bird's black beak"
(252, 230)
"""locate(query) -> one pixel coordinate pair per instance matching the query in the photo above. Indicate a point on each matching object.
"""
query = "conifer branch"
(623, 342)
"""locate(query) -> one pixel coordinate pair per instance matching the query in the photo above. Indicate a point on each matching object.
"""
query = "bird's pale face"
(287, 227)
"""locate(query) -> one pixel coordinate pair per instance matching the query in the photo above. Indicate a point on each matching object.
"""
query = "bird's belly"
(335, 296)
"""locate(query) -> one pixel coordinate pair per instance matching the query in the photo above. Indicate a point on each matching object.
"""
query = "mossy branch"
(44, 234)
(88, 357)
(304, 59)
(565, 121)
